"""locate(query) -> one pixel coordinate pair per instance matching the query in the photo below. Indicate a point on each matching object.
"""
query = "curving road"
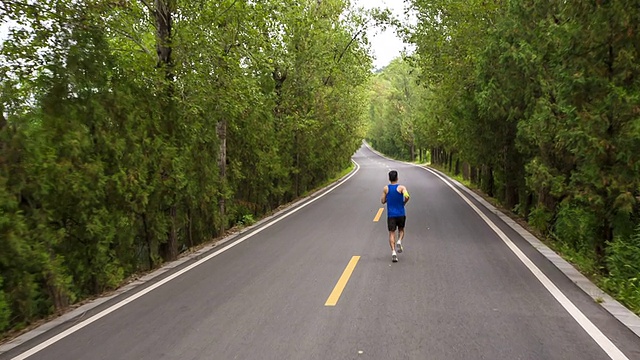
(458, 292)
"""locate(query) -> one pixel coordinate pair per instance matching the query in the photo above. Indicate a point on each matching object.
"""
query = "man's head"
(393, 176)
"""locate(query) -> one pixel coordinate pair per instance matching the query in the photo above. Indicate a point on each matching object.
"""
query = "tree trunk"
(491, 182)
(221, 129)
(163, 13)
(487, 181)
(466, 171)
(527, 206)
(149, 241)
(3, 145)
(279, 77)
(163, 16)
(56, 293)
(601, 241)
(190, 230)
(3, 121)
(473, 174)
(510, 193)
(170, 248)
(547, 200)
(297, 187)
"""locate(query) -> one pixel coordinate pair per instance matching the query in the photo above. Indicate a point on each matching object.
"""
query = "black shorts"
(396, 222)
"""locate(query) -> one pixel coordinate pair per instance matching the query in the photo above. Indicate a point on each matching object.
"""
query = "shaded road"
(458, 292)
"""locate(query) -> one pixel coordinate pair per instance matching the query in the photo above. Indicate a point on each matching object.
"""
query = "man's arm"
(383, 199)
(405, 194)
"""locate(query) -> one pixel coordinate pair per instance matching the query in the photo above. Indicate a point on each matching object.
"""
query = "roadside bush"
(623, 261)
(575, 227)
(540, 219)
(4, 309)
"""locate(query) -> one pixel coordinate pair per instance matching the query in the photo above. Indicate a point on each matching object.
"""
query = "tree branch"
(227, 9)
(349, 44)
(136, 41)
(326, 80)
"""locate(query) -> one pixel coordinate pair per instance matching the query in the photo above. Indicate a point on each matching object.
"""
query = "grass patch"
(599, 300)
(341, 174)
(583, 261)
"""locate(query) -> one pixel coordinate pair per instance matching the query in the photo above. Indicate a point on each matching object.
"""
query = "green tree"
(396, 106)
(131, 131)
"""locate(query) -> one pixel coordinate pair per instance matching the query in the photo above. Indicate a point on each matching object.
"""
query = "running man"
(396, 197)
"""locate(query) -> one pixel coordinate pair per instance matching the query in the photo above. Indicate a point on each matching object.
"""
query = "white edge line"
(109, 310)
(605, 344)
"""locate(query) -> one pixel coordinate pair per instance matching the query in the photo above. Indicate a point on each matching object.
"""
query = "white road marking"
(141, 293)
(593, 331)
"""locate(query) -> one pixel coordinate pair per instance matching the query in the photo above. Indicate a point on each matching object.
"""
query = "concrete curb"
(611, 305)
(78, 314)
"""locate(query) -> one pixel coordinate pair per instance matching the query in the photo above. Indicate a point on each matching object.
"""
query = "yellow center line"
(378, 215)
(342, 282)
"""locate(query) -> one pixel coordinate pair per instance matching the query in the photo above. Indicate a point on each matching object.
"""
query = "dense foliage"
(398, 111)
(133, 130)
(538, 103)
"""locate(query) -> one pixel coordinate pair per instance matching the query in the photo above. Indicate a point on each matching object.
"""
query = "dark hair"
(393, 175)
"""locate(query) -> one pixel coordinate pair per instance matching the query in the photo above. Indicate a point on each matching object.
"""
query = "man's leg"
(392, 226)
(401, 223)
(392, 243)
(400, 237)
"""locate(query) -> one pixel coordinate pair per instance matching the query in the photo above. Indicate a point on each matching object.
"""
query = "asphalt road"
(458, 291)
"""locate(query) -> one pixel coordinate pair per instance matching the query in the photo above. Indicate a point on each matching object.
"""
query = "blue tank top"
(395, 202)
